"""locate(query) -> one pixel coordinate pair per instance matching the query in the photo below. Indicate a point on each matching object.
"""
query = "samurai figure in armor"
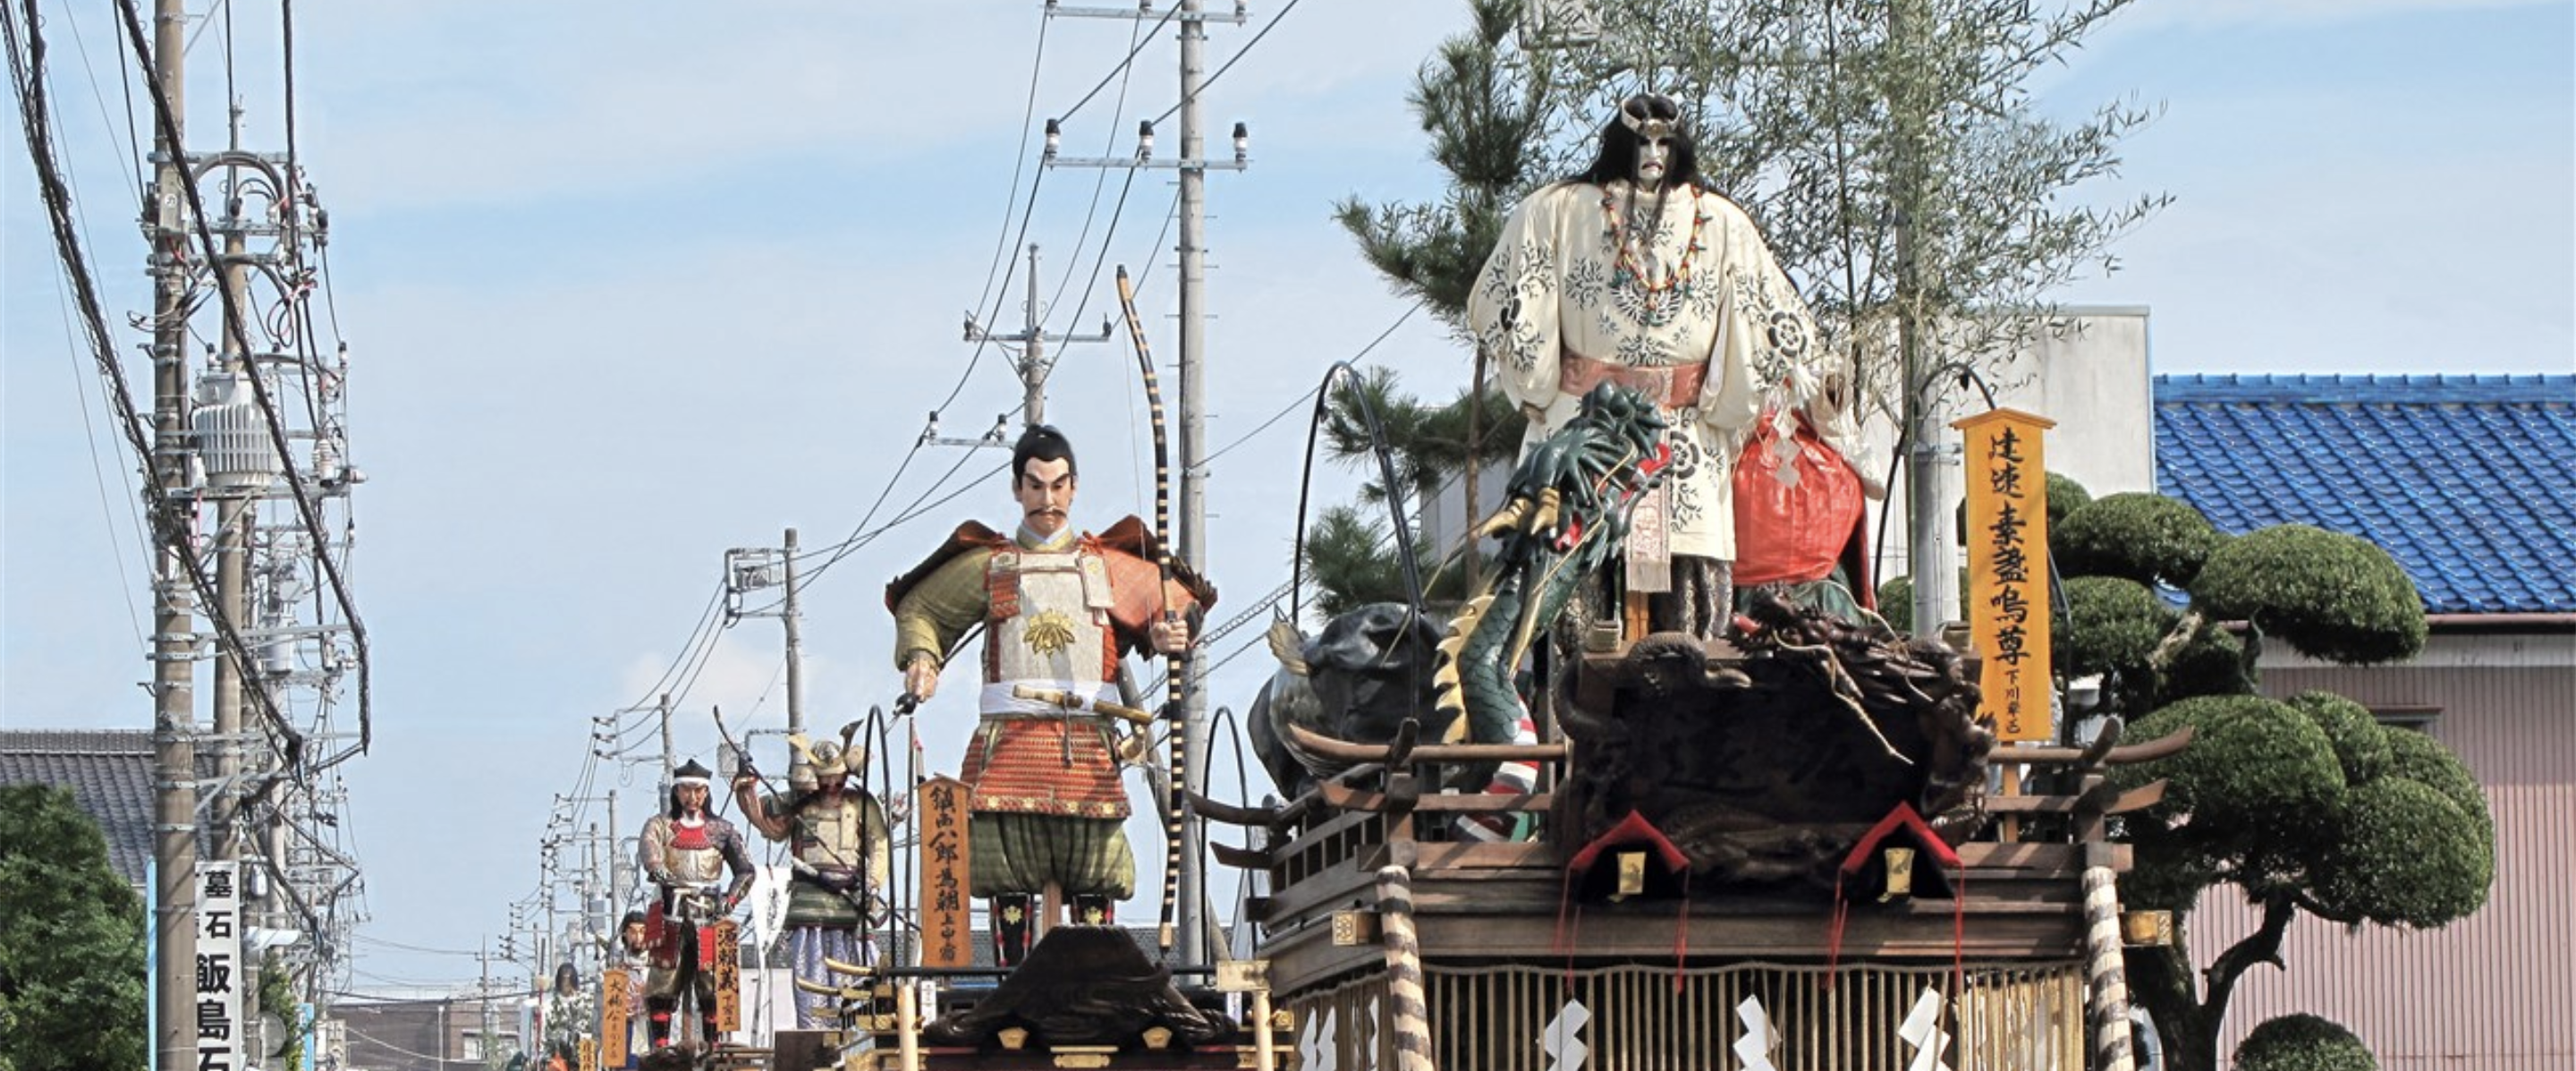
(836, 834)
(1060, 608)
(685, 852)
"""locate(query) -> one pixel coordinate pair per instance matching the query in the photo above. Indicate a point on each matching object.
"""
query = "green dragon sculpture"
(1564, 517)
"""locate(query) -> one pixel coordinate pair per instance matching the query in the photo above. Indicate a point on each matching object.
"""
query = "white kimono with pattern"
(1554, 286)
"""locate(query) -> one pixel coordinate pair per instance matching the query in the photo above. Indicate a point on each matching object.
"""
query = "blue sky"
(627, 285)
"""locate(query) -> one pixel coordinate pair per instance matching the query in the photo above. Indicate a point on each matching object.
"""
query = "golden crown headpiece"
(1651, 116)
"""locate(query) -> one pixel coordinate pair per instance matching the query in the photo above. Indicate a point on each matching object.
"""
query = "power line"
(1300, 401)
(850, 540)
(697, 635)
(365, 939)
(1230, 61)
(1136, 45)
(167, 122)
(1136, 42)
(1020, 158)
(98, 474)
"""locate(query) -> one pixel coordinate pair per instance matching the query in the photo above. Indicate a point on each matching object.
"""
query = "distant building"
(2470, 483)
(109, 771)
(442, 1033)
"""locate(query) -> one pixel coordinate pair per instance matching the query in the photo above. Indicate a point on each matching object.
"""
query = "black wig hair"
(1617, 160)
(1041, 443)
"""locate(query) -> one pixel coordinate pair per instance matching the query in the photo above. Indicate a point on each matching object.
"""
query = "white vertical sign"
(220, 976)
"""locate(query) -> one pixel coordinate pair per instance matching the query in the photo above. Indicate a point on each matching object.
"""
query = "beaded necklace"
(1631, 270)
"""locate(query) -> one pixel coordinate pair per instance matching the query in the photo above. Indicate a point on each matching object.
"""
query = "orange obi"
(1672, 386)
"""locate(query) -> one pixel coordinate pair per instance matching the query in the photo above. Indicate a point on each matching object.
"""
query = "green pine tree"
(1484, 105)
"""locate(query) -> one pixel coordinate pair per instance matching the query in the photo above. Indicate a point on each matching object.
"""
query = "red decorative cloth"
(1795, 516)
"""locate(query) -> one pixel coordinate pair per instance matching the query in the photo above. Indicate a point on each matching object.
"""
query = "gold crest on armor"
(1049, 632)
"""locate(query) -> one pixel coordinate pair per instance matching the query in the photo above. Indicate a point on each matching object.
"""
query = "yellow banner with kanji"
(2007, 596)
(728, 977)
(947, 934)
(615, 995)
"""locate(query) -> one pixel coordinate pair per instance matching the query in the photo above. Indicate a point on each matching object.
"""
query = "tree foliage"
(2114, 626)
(2303, 1043)
(2329, 595)
(71, 941)
(2307, 805)
(2144, 537)
(1484, 105)
(1429, 444)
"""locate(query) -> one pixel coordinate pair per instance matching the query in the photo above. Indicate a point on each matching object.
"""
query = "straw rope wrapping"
(1411, 1034)
(2109, 982)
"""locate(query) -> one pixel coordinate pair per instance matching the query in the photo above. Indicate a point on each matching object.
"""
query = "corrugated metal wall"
(2495, 991)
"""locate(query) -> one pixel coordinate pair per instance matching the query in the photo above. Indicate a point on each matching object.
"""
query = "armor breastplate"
(694, 866)
(828, 835)
(1050, 618)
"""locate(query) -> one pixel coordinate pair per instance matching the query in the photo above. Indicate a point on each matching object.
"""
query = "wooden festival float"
(1712, 863)
(1801, 850)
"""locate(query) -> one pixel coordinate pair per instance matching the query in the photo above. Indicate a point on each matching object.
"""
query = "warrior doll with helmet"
(836, 834)
(1636, 271)
(1059, 608)
(685, 852)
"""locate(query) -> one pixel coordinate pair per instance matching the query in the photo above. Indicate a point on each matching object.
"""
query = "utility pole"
(1034, 363)
(234, 478)
(670, 758)
(1930, 452)
(795, 648)
(750, 569)
(217, 443)
(1193, 519)
(483, 991)
(1190, 541)
(616, 859)
(174, 644)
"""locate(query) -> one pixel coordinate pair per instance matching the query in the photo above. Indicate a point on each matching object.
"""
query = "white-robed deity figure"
(1637, 272)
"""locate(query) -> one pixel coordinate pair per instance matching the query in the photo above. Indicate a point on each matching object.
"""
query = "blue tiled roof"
(2468, 481)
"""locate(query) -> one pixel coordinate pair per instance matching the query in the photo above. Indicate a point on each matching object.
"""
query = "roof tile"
(108, 770)
(2468, 481)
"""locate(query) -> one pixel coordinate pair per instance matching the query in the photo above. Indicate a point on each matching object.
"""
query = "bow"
(1175, 668)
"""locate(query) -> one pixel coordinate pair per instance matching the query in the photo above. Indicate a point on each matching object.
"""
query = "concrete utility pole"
(1034, 363)
(795, 647)
(174, 643)
(234, 515)
(616, 861)
(1193, 449)
(750, 569)
(670, 757)
(1931, 452)
(1189, 543)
